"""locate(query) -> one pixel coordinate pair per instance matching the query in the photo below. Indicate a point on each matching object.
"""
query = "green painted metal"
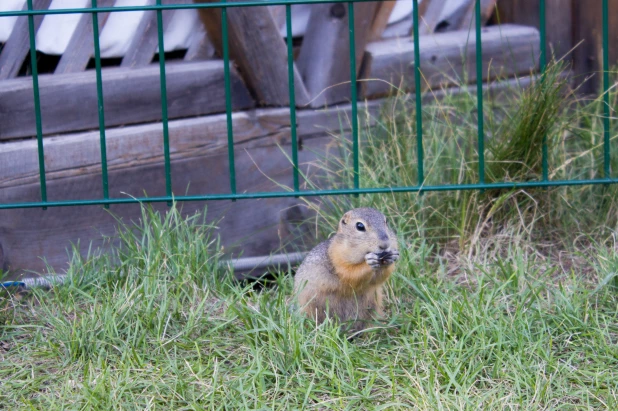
(353, 96)
(315, 193)
(542, 64)
(291, 88)
(164, 119)
(356, 190)
(606, 148)
(228, 100)
(479, 92)
(101, 108)
(37, 106)
(417, 92)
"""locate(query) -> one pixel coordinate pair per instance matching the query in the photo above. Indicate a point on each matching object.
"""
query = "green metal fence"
(356, 189)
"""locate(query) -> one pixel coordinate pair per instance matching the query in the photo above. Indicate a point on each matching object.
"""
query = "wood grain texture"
(446, 57)
(201, 47)
(69, 101)
(259, 52)
(17, 46)
(81, 46)
(199, 165)
(145, 40)
(324, 59)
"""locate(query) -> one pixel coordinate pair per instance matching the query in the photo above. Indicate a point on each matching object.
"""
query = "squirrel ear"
(345, 218)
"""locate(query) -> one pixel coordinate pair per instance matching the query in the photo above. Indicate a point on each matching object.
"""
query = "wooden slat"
(198, 148)
(446, 57)
(561, 23)
(430, 12)
(258, 50)
(380, 20)
(488, 7)
(81, 46)
(201, 47)
(17, 46)
(324, 60)
(69, 101)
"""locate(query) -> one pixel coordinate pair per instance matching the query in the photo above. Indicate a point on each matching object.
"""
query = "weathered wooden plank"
(136, 164)
(145, 40)
(324, 60)
(201, 47)
(142, 145)
(81, 46)
(559, 18)
(449, 58)
(258, 50)
(69, 101)
(430, 12)
(380, 20)
(488, 7)
(17, 46)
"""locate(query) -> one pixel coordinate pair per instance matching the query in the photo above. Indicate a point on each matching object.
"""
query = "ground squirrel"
(342, 277)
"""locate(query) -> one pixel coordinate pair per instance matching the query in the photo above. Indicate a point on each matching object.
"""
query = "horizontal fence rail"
(296, 191)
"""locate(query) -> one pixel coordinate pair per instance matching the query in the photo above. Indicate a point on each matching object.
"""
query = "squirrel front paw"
(390, 258)
(373, 260)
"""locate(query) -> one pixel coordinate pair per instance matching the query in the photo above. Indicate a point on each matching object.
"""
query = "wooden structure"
(198, 137)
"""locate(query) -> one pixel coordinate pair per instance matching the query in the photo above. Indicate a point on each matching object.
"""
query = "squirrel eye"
(360, 226)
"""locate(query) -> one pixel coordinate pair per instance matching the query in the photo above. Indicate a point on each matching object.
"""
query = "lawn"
(501, 299)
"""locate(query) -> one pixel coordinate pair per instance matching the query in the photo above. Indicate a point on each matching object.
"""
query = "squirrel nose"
(383, 246)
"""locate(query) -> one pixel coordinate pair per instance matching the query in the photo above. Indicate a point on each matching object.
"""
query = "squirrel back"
(343, 276)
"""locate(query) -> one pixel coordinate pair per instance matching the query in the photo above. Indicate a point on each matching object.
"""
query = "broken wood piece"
(257, 49)
(449, 58)
(145, 40)
(380, 20)
(324, 58)
(69, 101)
(17, 46)
(81, 46)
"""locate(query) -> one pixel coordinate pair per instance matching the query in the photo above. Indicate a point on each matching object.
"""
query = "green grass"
(501, 300)
(159, 325)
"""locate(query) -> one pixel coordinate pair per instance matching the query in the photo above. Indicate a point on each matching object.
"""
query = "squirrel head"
(362, 231)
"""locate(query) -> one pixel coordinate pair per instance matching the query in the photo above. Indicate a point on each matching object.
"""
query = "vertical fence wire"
(479, 93)
(288, 22)
(228, 99)
(164, 116)
(606, 112)
(417, 92)
(37, 106)
(542, 64)
(353, 93)
(101, 108)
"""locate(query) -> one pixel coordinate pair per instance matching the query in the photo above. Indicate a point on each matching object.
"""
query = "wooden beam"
(17, 46)
(69, 101)
(145, 40)
(559, 20)
(258, 51)
(380, 20)
(430, 12)
(201, 47)
(449, 58)
(324, 59)
(588, 56)
(81, 46)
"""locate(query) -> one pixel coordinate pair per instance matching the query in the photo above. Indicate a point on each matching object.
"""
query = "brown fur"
(335, 279)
